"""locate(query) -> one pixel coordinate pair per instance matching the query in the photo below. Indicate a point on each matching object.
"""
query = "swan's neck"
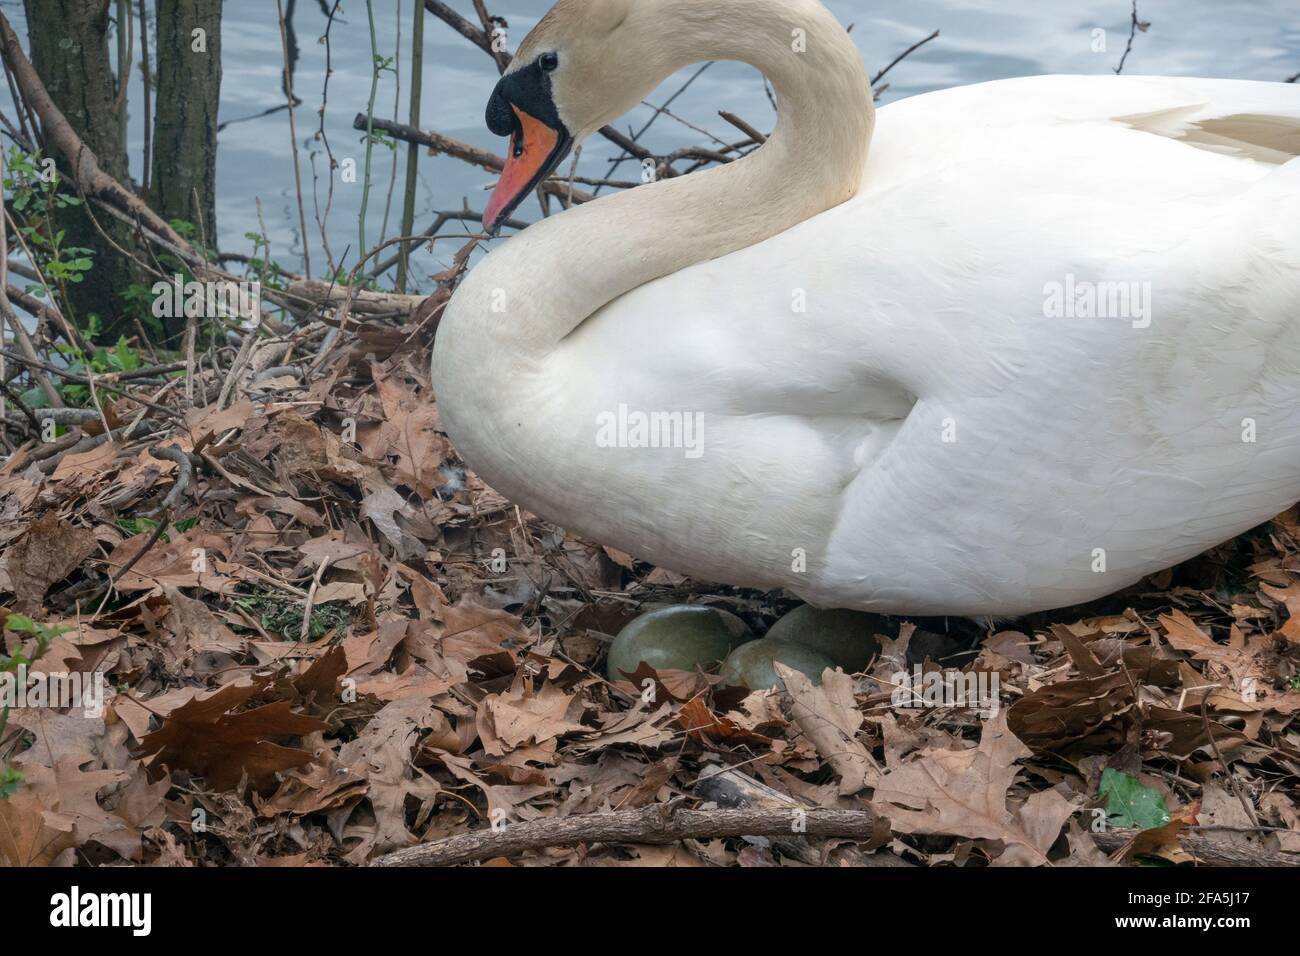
(524, 298)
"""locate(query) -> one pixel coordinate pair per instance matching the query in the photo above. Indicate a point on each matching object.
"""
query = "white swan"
(906, 402)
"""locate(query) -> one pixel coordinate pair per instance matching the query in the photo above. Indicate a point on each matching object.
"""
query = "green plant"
(269, 272)
(43, 634)
(10, 778)
(122, 356)
(35, 197)
(136, 525)
(283, 616)
(1130, 802)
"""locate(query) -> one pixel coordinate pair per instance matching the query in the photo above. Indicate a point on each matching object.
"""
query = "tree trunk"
(184, 176)
(69, 44)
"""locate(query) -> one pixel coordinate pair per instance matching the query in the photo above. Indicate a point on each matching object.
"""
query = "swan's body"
(925, 435)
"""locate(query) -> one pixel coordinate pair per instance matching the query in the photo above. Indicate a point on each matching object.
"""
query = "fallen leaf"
(964, 793)
(49, 551)
(829, 717)
(204, 737)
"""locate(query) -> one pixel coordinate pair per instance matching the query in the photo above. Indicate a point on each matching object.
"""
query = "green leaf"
(20, 623)
(1131, 803)
(9, 781)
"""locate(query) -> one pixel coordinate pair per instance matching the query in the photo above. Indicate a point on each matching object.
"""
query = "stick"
(1205, 849)
(729, 788)
(362, 301)
(1134, 26)
(413, 150)
(113, 579)
(903, 56)
(125, 51)
(656, 824)
(35, 366)
(305, 632)
(184, 473)
(293, 141)
(744, 127)
(148, 95)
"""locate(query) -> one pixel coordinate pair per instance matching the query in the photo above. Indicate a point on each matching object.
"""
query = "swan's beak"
(535, 151)
(521, 106)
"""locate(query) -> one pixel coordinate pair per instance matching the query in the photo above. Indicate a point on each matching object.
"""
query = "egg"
(681, 637)
(846, 637)
(750, 665)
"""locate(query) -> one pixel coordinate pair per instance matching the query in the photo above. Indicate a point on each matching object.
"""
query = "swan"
(999, 349)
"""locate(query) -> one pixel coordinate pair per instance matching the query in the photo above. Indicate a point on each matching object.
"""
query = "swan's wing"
(1245, 118)
(1125, 436)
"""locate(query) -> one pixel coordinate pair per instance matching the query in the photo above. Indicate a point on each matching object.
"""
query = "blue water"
(979, 40)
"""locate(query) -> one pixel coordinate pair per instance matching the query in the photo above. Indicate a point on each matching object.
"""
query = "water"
(980, 40)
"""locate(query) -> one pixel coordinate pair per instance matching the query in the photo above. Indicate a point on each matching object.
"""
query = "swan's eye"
(548, 61)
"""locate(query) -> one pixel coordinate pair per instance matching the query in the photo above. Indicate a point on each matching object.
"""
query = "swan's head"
(585, 64)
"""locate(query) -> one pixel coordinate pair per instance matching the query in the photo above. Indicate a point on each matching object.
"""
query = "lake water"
(979, 40)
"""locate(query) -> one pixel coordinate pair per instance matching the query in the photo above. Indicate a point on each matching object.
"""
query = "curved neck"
(532, 292)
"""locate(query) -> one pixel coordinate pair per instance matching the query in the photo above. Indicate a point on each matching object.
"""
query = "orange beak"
(533, 154)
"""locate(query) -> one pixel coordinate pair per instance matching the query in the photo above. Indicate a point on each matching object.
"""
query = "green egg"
(680, 637)
(846, 637)
(750, 665)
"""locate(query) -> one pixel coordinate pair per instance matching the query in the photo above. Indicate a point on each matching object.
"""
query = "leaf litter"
(331, 649)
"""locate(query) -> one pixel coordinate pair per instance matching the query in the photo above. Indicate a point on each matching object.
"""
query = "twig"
(237, 367)
(50, 449)
(125, 53)
(654, 824)
(293, 137)
(501, 56)
(17, 399)
(305, 632)
(183, 475)
(91, 442)
(370, 125)
(729, 788)
(69, 331)
(461, 215)
(744, 127)
(658, 111)
(1134, 26)
(131, 562)
(1227, 771)
(903, 56)
(36, 367)
(413, 149)
(1205, 849)
(148, 96)
(323, 218)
